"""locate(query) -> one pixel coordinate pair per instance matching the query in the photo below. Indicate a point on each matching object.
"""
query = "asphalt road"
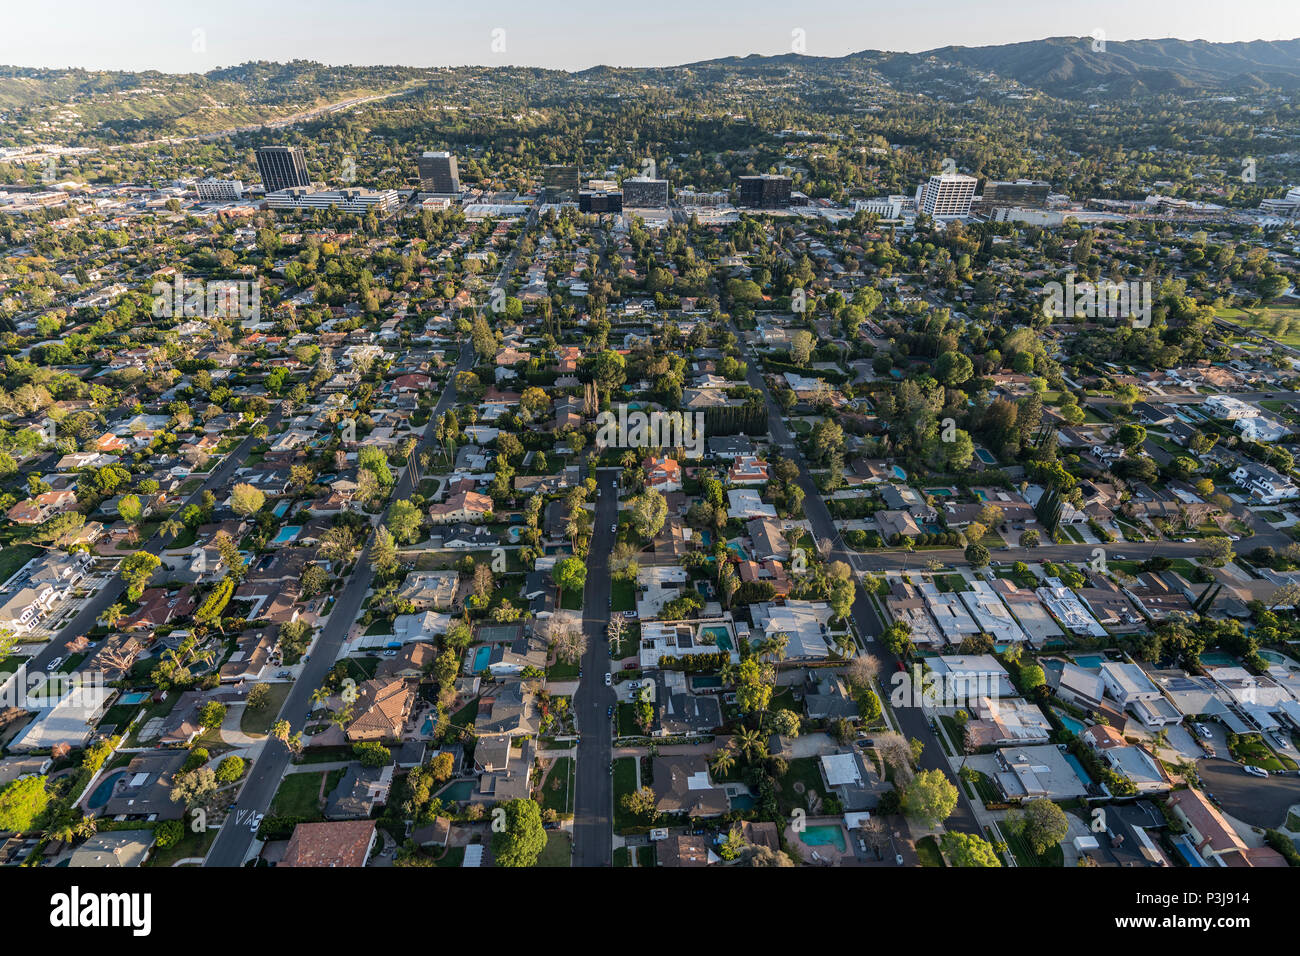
(912, 722)
(1253, 800)
(85, 619)
(593, 827)
(235, 838)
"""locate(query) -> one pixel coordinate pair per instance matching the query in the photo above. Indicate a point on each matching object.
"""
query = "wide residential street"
(912, 721)
(235, 839)
(593, 829)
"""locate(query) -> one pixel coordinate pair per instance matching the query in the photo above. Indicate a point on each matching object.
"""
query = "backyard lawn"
(557, 790)
(558, 850)
(299, 795)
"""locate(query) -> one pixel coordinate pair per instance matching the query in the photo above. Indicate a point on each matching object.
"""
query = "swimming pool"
(1273, 657)
(825, 835)
(1072, 724)
(734, 545)
(719, 636)
(135, 697)
(287, 534)
(103, 790)
(1079, 772)
(1090, 661)
(900, 474)
(458, 791)
(1218, 659)
(481, 657)
(280, 509)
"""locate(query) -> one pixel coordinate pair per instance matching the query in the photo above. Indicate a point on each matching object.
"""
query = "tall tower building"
(438, 173)
(282, 167)
(946, 196)
(765, 192)
(560, 183)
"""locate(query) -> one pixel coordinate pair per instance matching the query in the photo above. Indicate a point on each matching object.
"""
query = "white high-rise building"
(219, 190)
(946, 196)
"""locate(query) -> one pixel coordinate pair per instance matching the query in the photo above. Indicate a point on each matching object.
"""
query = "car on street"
(1255, 771)
(609, 678)
(53, 665)
(614, 528)
(1189, 540)
(630, 615)
(609, 712)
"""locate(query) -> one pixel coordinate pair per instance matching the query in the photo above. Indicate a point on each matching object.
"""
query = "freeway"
(235, 839)
(912, 721)
(84, 620)
(593, 828)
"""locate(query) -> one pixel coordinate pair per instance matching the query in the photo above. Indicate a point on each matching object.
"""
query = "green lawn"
(557, 790)
(801, 770)
(1025, 855)
(13, 557)
(571, 600)
(1262, 320)
(623, 593)
(624, 783)
(298, 795)
(190, 845)
(558, 850)
(927, 848)
(260, 721)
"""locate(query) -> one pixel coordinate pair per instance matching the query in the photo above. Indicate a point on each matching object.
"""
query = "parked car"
(613, 529)
(610, 711)
(1255, 771)
(1203, 732)
(53, 665)
(609, 678)
(1189, 540)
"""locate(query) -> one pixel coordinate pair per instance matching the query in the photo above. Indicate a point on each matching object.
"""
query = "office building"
(282, 167)
(438, 173)
(360, 201)
(1023, 193)
(599, 202)
(642, 192)
(886, 207)
(560, 183)
(946, 196)
(219, 190)
(765, 192)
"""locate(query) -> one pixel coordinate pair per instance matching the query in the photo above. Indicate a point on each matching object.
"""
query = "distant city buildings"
(642, 192)
(600, 202)
(765, 192)
(1023, 193)
(282, 167)
(560, 183)
(886, 207)
(438, 173)
(219, 190)
(1288, 207)
(358, 201)
(946, 196)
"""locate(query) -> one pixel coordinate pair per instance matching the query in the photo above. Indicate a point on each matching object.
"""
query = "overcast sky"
(198, 35)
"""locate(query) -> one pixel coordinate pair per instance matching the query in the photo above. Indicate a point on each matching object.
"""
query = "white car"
(609, 678)
(1255, 771)
(614, 528)
(53, 665)
(1189, 540)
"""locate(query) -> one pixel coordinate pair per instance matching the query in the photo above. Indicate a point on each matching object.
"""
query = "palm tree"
(750, 742)
(171, 527)
(111, 615)
(722, 762)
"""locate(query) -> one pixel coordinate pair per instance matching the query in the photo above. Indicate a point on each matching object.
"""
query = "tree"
(404, 521)
(1218, 551)
(570, 574)
(137, 568)
(1029, 539)
(802, 344)
(111, 615)
(570, 643)
(259, 697)
(372, 754)
(723, 760)
(383, 552)
(930, 798)
(648, 511)
(23, 804)
(212, 714)
(194, 786)
(953, 368)
(246, 500)
(753, 692)
(641, 803)
(977, 555)
(131, 511)
(483, 338)
(1042, 823)
(230, 769)
(522, 837)
(1131, 435)
(967, 849)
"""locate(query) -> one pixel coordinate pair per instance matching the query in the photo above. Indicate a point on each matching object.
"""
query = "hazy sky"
(198, 35)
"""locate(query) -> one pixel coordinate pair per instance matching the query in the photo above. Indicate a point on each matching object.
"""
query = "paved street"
(912, 721)
(593, 829)
(235, 840)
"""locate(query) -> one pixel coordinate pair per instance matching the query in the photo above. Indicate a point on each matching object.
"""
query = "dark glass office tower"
(560, 183)
(282, 167)
(765, 192)
(438, 173)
